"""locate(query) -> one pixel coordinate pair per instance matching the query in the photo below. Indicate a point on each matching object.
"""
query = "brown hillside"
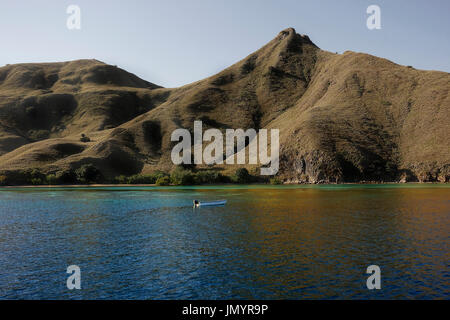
(54, 100)
(347, 117)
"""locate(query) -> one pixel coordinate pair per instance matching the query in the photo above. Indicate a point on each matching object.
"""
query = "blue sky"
(173, 43)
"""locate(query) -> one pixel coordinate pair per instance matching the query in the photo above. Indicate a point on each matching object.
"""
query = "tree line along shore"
(89, 174)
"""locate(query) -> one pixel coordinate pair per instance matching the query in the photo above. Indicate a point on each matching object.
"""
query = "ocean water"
(268, 242)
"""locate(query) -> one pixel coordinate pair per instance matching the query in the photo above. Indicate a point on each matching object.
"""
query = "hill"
(342, 117)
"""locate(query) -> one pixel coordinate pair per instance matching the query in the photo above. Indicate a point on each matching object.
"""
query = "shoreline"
(108, 185)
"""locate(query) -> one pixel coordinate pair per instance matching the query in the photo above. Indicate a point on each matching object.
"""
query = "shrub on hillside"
(275, 181)
(142, 179)
(241, 176)
(3, 180)
(66, 176)
(208, 176)
(84, 138)
(163, 181)
(52, 179)
(160, 174)
(121, 179)
(18, 177)
(180, 176)
(37, 181)
(23, 177)
(35, 177)
(88, 173)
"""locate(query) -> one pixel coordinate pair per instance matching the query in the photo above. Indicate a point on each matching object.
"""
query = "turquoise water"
(268, 242)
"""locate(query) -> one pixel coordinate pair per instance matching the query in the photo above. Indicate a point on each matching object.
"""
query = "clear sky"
(172, 43)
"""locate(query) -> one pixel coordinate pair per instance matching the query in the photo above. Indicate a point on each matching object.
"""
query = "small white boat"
(209, 203)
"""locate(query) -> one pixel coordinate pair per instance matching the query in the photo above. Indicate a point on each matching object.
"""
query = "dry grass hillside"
(342, 117)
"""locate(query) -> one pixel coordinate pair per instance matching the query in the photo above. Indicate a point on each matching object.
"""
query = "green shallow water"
(268, 242)
(245, 187)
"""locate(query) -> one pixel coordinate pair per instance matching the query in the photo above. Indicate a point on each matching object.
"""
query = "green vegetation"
(84, 138)
(163, 181)
(88, 173)
(52, 179)
(181, 176)
(66, 177)
(37, 177)
(241, 176)
(210, 177)
(140, 178)
(275, 181)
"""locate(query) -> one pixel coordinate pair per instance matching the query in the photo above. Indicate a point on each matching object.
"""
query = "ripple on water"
(266, 243)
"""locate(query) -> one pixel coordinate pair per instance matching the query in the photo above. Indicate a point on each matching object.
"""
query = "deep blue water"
(286, 242)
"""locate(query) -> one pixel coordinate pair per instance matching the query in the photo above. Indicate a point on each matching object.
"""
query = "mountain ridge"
(342, 117)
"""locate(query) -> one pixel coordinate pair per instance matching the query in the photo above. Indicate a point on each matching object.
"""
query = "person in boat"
(196, 203)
